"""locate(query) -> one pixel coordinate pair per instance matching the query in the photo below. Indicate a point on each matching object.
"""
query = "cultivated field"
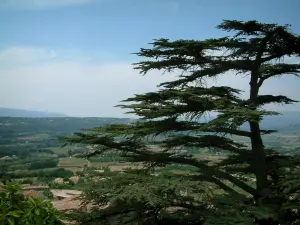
(77, 164)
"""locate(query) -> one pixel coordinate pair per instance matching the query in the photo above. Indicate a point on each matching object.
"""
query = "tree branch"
(214, 172)
(228, 131)
(217, 182)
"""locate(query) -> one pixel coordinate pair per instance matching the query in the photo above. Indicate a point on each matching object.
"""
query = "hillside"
(8, 112)
(287, 120)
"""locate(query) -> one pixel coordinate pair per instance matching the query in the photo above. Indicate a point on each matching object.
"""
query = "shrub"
(27, 181)
(42, 164)
(48, 194)
(60, 172)
(18, 210)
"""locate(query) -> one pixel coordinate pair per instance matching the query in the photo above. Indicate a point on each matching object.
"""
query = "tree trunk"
(259, 156)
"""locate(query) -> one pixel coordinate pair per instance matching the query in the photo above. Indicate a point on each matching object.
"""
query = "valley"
(31, 154)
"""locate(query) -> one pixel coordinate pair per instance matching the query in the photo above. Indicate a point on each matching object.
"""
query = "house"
(64, 194)
(60, 181)
(74, 179)
(32, 194)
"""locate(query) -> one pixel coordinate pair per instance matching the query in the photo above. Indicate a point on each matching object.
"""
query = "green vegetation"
(54, 173)
(253, 184)
(48, 194)
(29, 137)
(31, 150)
(16, 209)
(27, 181)
(42, 164)
(109, 157)
(179, 167)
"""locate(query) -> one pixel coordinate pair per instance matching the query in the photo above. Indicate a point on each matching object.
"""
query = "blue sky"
(73, 56)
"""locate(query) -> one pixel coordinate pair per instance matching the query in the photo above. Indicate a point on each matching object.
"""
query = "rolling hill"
(8, 112)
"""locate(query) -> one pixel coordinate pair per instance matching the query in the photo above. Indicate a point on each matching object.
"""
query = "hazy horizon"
(74, 57)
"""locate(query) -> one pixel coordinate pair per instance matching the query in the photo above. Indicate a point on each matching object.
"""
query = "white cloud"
(20, 55)
(41, 4)
(83, 88)
(72, 86)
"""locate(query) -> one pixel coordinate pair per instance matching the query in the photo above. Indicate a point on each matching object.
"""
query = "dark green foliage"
(61, 172)
(139, 190)
(42, 174)
(42, 164)
(16, 209)
(48, 194)
(10, 150)
(219, 191)
(27, 181)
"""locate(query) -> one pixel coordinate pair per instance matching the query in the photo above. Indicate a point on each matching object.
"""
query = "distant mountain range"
(7, 112)
(289, 120)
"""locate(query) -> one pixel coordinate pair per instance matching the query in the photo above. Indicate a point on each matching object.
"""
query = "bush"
(41, 174)
(61, 172)
(110, 157)
(48, 194)
(80, 173)
(42, 164)
(81, 181)
(18, 210)
(27, 181)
